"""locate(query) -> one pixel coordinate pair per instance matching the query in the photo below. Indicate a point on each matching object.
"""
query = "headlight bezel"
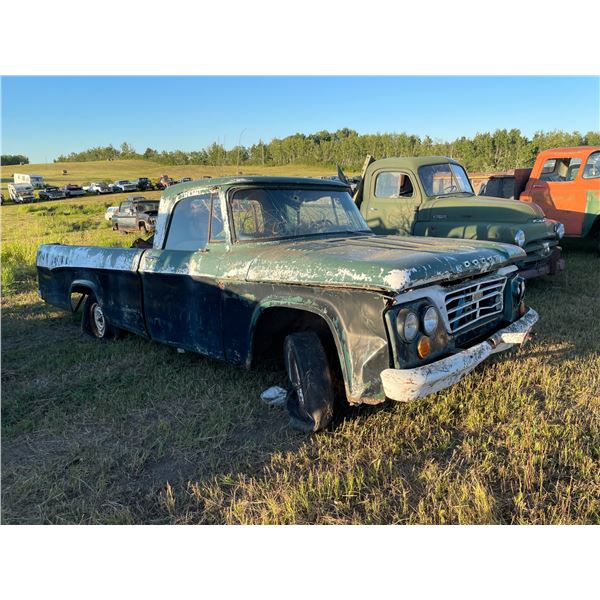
(559, 230)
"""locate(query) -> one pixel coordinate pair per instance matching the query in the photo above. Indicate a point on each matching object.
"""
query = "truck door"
(125, 216)
(559, 192)
(392, 200)
(182, 303)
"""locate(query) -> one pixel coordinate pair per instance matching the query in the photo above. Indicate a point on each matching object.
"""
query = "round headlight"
(430, 320)
(520, 238)
(559, 228)
(408, 326)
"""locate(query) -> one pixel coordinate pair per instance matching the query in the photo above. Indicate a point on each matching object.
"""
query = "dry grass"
(132, 432)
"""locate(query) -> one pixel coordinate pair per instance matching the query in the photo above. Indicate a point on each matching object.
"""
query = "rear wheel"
(94, 321)
(310, 402)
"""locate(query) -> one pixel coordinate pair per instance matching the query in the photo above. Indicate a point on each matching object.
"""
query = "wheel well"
(83, 290)
(274, 324)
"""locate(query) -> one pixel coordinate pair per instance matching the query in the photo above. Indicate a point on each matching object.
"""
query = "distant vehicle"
(51, 192)
(35, 181)
(109, 212)
(164, 182)
(71, 190)
(98, 188)
(124, 185)
(136, 214)
(143, 184)
(184, 179)
(20, 192)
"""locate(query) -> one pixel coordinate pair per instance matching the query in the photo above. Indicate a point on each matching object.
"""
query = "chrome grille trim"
(470, 304)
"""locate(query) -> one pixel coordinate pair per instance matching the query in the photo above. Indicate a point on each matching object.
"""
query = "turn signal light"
(423, 347)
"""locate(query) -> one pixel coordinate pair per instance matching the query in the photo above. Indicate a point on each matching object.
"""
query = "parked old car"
(164, 182)
(432, 196)
(124, 185)
(247, 269)
(143, 184)
(109, 212)
(20, 192)
(100, 187)
(71, 190)
(51, 192)
(135, 214)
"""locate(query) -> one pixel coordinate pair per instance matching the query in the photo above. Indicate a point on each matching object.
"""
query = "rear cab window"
(188, 229)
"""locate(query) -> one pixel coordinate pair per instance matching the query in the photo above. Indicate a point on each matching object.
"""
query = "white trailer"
(35, 181)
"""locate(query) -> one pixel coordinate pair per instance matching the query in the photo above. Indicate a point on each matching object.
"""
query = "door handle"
(537, 187)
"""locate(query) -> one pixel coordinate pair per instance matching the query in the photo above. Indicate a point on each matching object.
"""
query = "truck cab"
(433, 196)
(565, 183)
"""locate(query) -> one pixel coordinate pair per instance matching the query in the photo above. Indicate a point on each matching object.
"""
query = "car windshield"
(268, 213)
(445, 179)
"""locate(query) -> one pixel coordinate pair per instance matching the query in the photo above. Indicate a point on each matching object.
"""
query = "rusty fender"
(405, 385)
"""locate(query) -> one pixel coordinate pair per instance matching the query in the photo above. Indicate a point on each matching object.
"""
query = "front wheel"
(310, 402)
(94, 322)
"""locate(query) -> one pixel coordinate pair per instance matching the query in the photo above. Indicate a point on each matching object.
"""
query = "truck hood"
(389, 263)
(484, 208)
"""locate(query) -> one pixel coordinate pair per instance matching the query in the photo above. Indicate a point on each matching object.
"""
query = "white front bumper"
(405, 385)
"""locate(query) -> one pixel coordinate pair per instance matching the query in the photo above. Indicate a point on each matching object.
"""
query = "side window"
(393, 185)
(560, 169)
(592, 166)
(124, 208)
(217, 232)
(188, 229)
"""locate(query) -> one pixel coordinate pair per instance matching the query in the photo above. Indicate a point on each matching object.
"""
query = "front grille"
(472, 303)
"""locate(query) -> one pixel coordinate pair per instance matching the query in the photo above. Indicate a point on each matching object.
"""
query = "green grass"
(133, 432)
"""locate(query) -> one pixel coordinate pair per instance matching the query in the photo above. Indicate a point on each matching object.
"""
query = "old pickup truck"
(137, 213)
(251, 269)
(565, 184)
(432, 196)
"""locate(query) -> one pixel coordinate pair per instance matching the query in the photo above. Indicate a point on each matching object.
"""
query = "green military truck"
(433, 196)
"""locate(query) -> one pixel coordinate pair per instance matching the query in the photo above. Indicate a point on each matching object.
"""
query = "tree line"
(498, 151)
(13, 159)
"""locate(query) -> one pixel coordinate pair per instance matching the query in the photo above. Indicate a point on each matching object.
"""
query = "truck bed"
(111, 273)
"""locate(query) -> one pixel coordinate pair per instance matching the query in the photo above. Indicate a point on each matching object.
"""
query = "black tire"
(93, 321)
(310, 401)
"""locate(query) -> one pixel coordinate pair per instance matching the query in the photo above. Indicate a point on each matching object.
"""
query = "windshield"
(267, 214)
(445, 179)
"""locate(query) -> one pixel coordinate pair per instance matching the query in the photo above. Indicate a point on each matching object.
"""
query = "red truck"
(564, 183)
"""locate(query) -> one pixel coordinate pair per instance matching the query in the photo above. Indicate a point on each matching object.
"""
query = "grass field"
(133, 432)
(105, 170)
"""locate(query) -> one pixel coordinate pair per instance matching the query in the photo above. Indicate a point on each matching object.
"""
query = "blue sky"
(43, 117)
